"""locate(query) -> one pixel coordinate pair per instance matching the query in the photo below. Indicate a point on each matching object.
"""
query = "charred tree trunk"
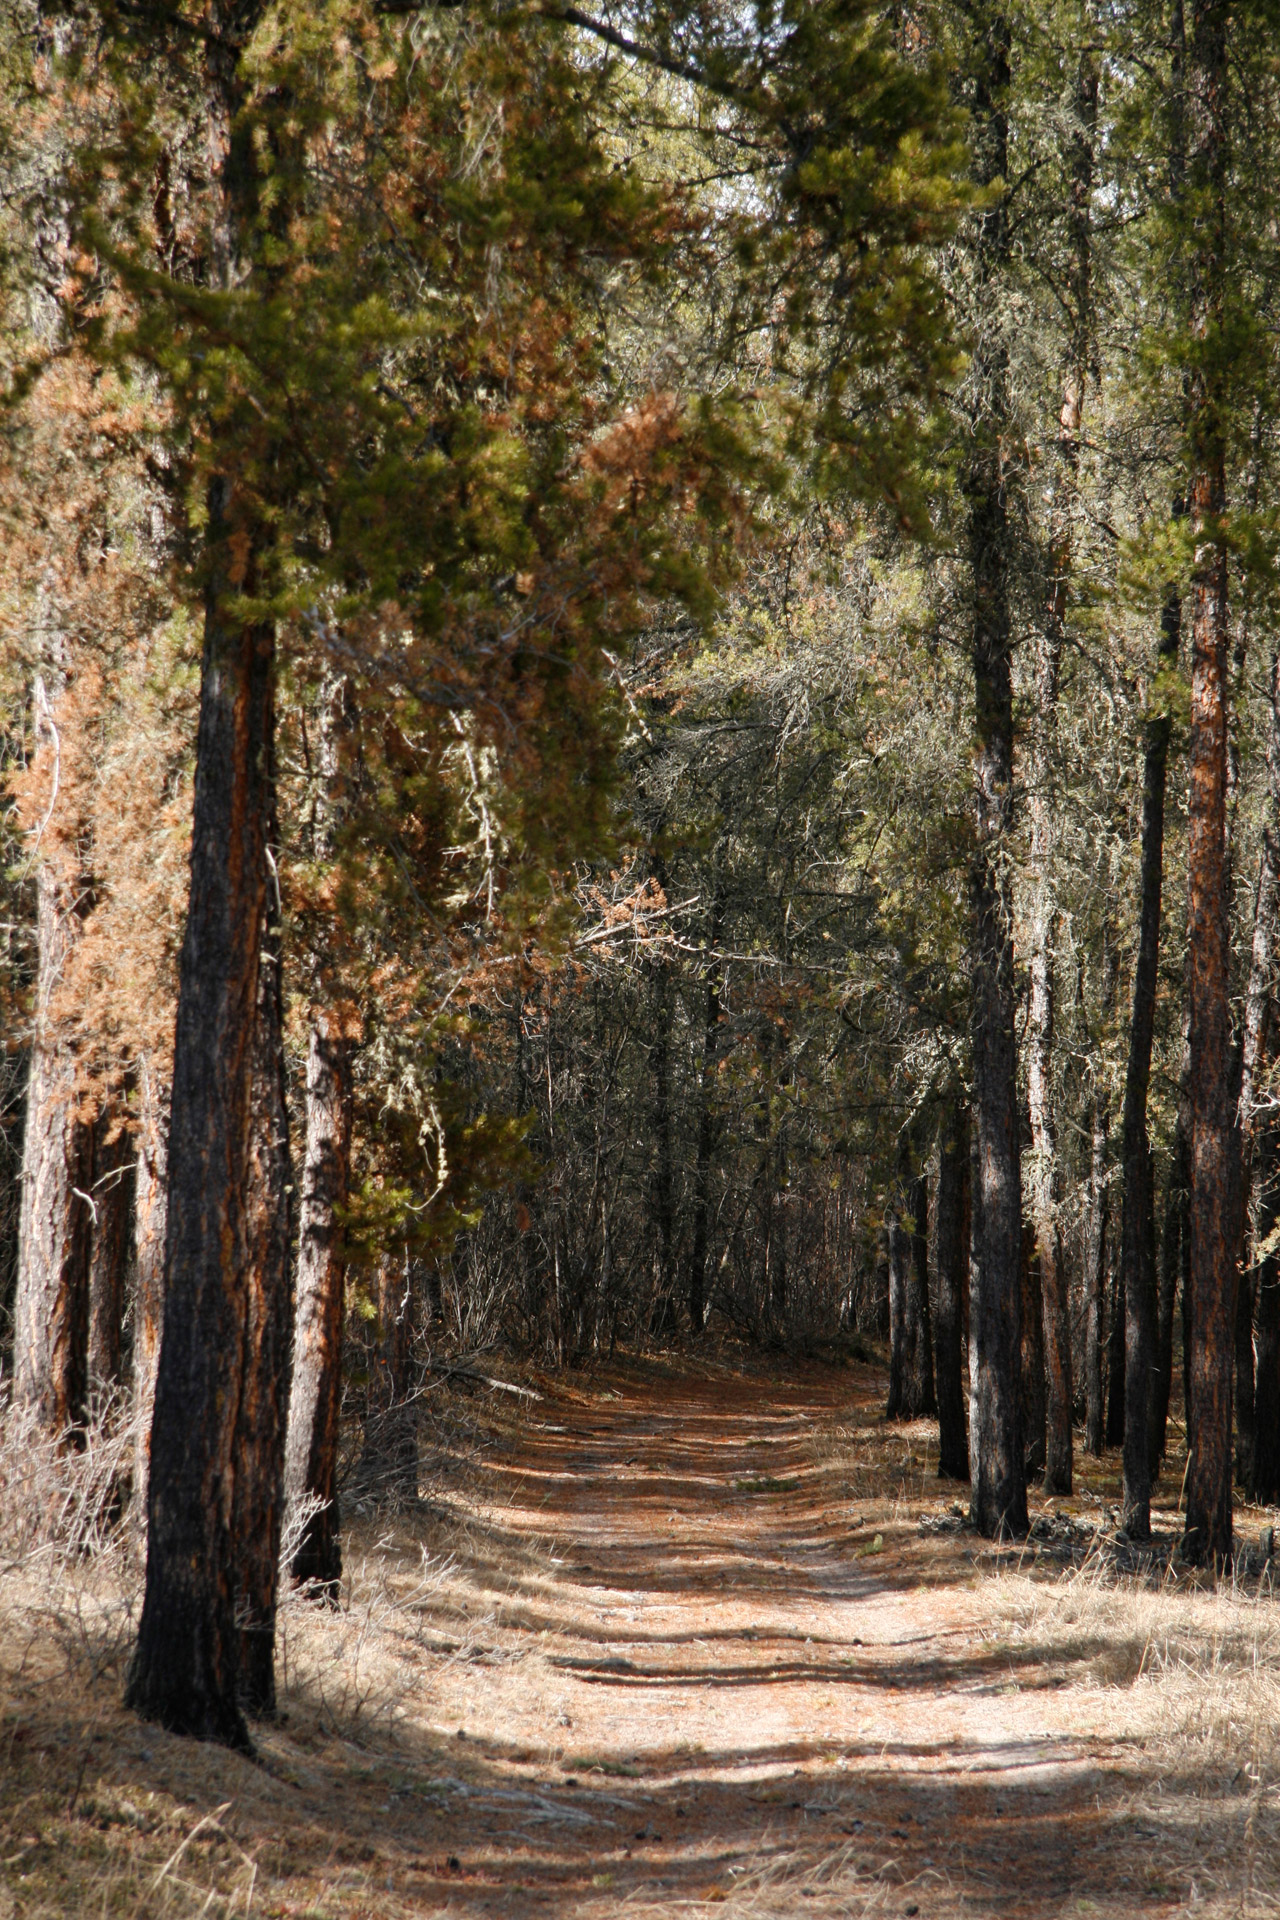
(952, 1260)
(311, 1458)
(1137, 1214)
(257, 1511)
(662, 1319)
(999, 1494)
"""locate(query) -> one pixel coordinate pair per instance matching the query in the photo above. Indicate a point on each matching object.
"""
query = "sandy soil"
(678, 1638)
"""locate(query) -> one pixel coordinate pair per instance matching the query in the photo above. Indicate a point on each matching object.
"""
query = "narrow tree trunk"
(1172, 1255)
(114, 1161)
(1095, 1274)
(1265, 1482)
(1137, 1217)
(1045, 1173)
(662, 1319)
(1214, 1138)
(899, 1282)
(999, 1494)
(51, 1303)
(257, 1512)
(1034, 1397)
(311, 1457)
(920, 1378)
(951, 1266)
(149, 1234)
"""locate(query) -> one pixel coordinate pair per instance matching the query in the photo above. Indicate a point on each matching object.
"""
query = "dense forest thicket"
(640, 696)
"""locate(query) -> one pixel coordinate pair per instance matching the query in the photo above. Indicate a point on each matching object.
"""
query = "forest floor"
(674, 1635)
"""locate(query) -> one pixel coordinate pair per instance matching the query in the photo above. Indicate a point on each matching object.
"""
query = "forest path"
(727, 1674)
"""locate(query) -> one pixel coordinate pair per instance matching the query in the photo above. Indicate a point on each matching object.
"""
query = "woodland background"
(734, 503)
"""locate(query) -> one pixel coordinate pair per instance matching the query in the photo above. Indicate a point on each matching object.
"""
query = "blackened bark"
(311, 1458)
(1137, 1214)
(999, 1494)
(952, 1258)
(1115, 1360)
(1095, 1273)
(151, 1180)
(257, 1510)
(185, 1671)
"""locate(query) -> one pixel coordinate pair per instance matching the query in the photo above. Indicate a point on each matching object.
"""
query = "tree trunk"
(952, 1266)
(1137, 1213)
(185, 1670)
(311, 1457)
(149, 1234)
(1095, 1274)
(662, 1319)
(114, 1161)
(920, 1393)
(1173, 1252)
(999, 1494)
(899, 1282)
(51, 1303)
(1265, 1481)
(1045, 1172)
(186, 1667)
(1214, 1138)
(1034, 1397)
(257, 1510)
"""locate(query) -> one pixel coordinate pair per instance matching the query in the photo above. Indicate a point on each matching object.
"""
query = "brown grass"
(674, 1639)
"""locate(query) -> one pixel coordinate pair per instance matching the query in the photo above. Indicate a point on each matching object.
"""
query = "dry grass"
(615, 1760)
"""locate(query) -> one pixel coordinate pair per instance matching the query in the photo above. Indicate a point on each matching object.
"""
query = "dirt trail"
(738, 1692)
(669, 1639)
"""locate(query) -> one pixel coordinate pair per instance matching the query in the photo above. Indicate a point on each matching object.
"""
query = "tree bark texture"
(1095, 1273)
(998, 1493)
(951, 1264)
(1137, 1210)
(712, 983)
(1034, 1396)
(1214, 1137)
(920, 1390)
(311, 1457)
(1264, 1486)
(1174, 1249)
(51, 1304)
(186, 1667)
(1044, 1164)
(899, 1242)
(151, 1182)
(257, 1510)
(112, 1192)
